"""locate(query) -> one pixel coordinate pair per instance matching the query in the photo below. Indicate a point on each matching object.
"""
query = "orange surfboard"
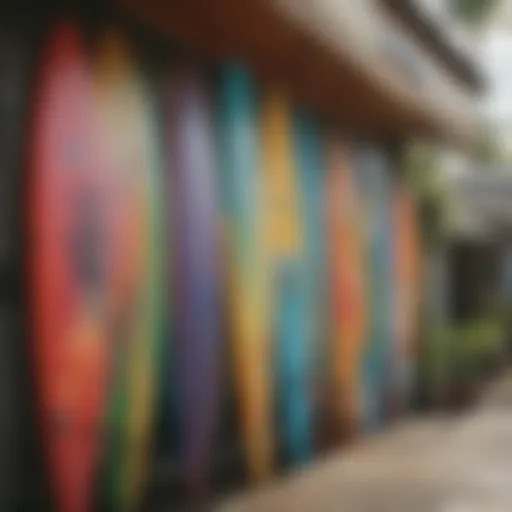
(406, 307)
(345, 279)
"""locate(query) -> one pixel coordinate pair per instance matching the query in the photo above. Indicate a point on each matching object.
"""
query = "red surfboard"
(68, 269)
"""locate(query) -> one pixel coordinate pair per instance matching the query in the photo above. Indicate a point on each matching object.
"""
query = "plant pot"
(463, 393)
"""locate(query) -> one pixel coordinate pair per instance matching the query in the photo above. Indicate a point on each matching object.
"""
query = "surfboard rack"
(357, 62)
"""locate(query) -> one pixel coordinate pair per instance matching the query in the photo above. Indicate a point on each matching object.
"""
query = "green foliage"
(421, 168)
(472, 344)
(473, 12)
(487, 149)
(434, 364)
(433, 208)
(459, 353)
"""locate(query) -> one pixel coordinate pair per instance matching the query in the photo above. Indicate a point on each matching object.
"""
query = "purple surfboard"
(190, 161)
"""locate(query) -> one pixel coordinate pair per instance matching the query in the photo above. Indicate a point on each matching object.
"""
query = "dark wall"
(475, 279)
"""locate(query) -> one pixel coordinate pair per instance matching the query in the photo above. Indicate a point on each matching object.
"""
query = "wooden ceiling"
(278, 50)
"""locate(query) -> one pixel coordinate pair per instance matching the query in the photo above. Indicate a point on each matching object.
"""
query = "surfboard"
(247, 269)
(126, 123)
(285, 247)
(387, 280)
(406, 307)
(372, 185)
(347, 286)
(69, 268)
(191, 171)
(310, 167)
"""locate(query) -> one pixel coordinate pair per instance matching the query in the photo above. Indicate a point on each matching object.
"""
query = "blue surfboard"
(309, 162)
(387, 248)
(373, 183)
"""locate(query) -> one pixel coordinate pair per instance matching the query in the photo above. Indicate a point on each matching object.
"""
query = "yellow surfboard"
(284, 245)
(281, 213)
(246, 267)
(124, 115)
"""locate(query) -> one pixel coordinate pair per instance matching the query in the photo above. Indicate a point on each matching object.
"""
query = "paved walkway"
(434, 464)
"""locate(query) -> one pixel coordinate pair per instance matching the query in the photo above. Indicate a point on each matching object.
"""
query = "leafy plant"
(473, 344)
(420, 167)
(434, 365)
(488, 149)
(473, 12)
(458, 354)
(433, 212)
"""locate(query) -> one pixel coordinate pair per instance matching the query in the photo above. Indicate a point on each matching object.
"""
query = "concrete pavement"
(430, 464)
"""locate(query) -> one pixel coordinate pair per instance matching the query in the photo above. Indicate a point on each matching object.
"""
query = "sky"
(496, 60)
(492, 49)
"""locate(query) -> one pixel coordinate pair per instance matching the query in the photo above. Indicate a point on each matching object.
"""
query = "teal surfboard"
(284, 243)
(310, 168)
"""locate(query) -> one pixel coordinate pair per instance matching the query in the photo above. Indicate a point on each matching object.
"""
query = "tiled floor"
(433, 464)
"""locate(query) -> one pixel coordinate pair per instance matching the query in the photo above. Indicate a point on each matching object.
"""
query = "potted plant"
(434, 367)
(475, 348)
